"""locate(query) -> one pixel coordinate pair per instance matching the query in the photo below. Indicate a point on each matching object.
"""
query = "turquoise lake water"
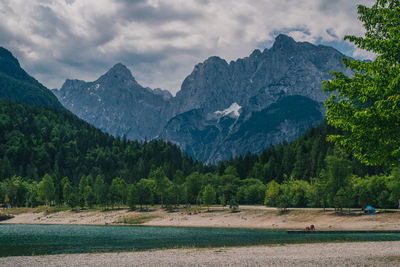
(25, 239)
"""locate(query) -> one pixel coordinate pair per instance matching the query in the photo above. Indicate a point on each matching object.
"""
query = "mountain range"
(222, 109)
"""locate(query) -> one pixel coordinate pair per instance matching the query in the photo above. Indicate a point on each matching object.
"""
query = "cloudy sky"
(161, 41)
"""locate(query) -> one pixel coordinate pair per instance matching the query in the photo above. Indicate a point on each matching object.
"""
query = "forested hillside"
(35, 141)
(52, 157)
(17, 85)
(301, 159)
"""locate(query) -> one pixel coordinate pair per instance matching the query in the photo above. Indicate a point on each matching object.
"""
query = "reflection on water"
(20, 239)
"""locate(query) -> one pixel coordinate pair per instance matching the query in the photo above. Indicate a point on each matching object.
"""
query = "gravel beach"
(248, 217)
(321, 254)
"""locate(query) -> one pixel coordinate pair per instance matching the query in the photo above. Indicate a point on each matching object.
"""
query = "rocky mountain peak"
(222, 110)
(71, 84)
(214, 60)
(118, 72)
(283, 42)
(255, 54)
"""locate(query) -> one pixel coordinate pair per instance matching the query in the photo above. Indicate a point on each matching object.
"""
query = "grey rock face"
(265, 85)
(223, 109)
(288, 68)
(216, 138)
(116, 103)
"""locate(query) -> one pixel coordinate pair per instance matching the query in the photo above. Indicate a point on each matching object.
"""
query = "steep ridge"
(117, 104)
(210, 116)
(16, 85)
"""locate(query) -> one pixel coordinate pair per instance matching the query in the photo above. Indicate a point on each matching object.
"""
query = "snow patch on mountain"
(233, 111)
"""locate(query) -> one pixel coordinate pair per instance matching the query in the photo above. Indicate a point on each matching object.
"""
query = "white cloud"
(159, 40)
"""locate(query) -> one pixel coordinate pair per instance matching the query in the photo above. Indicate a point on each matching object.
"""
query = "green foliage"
(104, 195)
(46, 190)
(35, 141)
(366, 105)
(69, 194)
(161, 182)
(118, 191)
(222, 200)
(307, 172)
(89, 196)
(193, 186)
(133, 197)
(344, 198)
(394, 186)
(271, 193)
(252, 192)
(18, 86)
(145, 189)
(209, 196)
(137, 219)
(233, 205)
(98, 189)
(174, 195)
(337, 174)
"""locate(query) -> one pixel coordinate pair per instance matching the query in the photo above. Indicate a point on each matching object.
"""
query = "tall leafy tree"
(89, 196)
(366, 106)
(337, 174)
(118, 191)
(271, 193)
(97, 188)
(133, 197)
(46, 189)
(161, 182)
(192, 187)
(145, 192)
(70, 194)
(209, 196)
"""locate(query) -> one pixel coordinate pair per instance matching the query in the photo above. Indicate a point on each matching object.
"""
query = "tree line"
(35, 141)
(308, 172)
(335, 187)
(52, 157)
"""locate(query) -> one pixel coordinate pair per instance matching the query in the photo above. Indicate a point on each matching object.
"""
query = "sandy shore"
(335, 254)
(248, 217)
(329, 254)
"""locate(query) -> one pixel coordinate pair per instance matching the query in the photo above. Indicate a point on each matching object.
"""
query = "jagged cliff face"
(222, 110)
(116, 103)
(223, 135)
(288, 68)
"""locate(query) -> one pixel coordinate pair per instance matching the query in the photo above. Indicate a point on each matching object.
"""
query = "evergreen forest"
(51, 157)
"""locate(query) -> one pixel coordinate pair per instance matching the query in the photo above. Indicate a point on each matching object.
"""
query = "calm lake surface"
(25, 239)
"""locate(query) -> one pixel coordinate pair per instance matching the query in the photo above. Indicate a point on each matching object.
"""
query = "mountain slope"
(223, 137)
(215, 100)
(288, 68)
(257, 84)
(17, 85)
(116, 103)
(36, 140)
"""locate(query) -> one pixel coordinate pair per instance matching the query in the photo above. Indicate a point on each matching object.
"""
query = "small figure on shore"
(310, 228)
